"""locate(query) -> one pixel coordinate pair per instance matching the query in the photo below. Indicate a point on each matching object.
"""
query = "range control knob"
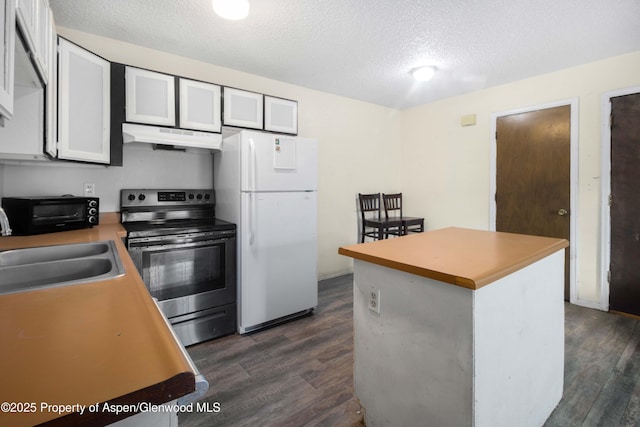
(93, 220)
(191, 196)
(207, 196)
(92, 212)
(131, 197)
(93, 203)
(199, 196)
(141, 197)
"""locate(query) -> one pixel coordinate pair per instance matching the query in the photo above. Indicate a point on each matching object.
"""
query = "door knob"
(562, 212)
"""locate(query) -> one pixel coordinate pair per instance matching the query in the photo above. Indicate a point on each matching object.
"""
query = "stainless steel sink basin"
(52, 253)
(49, 266)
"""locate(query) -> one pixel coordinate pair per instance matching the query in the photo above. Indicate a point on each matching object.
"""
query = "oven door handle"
(164, 244)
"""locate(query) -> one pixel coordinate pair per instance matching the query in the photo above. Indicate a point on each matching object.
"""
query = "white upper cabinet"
(21, 138)
(199, 106)
(280, 115)
(27, 15)
(51, 109)
(150, 97)
(43, 55)
(84, 105)
(33, 18)
(242, 108)
(7, 48)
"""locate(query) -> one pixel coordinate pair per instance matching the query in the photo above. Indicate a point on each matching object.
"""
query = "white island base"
(439, 354)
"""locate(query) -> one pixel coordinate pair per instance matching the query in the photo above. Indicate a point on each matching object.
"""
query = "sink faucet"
(4, 224)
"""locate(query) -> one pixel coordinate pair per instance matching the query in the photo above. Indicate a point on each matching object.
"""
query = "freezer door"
(278, 163)
(278, 261)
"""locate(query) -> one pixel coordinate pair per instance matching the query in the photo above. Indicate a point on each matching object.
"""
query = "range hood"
(171, 136)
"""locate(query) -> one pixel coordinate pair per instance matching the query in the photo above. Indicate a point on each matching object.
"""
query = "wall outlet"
(374, 300)
(89, 189)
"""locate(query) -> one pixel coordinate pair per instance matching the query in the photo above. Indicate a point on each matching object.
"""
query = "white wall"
(446, 167)
(358, 148)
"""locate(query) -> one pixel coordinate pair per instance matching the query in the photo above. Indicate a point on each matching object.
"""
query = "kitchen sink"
(52, 253)
(49, 266)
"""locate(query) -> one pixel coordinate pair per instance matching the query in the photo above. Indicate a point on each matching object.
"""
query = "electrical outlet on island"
(374, 300)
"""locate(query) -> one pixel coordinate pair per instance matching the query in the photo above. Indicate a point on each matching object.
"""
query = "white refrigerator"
(267, 185)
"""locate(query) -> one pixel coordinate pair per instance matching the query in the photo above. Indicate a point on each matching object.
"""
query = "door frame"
(573, 185)
(605, 174)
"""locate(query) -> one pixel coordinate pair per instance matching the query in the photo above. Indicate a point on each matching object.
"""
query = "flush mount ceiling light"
(231, 9)
(423, 74)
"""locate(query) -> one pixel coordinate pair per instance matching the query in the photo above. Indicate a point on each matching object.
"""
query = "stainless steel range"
(186, 257)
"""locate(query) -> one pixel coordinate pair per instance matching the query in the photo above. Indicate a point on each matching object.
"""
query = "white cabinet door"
(280, 115)
(242, 108)
(199, 106)
(43, 32)
(150, 97)
(26, 16)
(52, 92)
(83, 105)
(32, 17)
(7, 48)
(21, 137)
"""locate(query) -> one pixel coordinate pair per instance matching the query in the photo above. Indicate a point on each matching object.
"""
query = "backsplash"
(143, 168)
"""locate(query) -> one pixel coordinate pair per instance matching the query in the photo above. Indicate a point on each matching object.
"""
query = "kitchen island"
(87, 354)
(458, 327)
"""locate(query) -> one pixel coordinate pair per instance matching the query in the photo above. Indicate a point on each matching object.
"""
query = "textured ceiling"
(364, 49)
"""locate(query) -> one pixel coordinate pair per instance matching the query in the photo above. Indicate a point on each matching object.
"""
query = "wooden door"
(533, 175)
(624, 289)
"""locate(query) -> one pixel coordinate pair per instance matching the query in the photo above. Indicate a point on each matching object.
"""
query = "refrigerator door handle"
(252, 234)
(252, 163)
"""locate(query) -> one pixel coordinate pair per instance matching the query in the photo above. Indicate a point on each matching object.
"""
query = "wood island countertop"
(88, 343)
(459, 256)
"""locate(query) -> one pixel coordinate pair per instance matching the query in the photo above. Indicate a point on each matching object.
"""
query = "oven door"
(186, 274)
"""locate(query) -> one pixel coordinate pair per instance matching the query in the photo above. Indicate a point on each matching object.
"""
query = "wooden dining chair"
(393, 212)
(372, 223)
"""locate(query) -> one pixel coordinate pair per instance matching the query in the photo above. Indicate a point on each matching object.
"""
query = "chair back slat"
(369, 202)
(392, 202)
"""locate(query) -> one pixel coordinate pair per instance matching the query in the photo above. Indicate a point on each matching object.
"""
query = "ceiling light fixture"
(423, 74)
(231, 9)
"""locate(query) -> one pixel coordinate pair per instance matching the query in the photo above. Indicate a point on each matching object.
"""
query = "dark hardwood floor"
(601, 370)
(296, 374)
(301, 373)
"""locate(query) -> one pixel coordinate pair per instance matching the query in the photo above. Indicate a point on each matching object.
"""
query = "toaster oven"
(38, 215)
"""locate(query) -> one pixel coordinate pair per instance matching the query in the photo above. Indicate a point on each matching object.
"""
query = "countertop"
(459, 256)
(85, 344)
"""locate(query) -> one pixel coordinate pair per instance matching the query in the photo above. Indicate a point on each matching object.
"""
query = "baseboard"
(335, 274)
(587, 304)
